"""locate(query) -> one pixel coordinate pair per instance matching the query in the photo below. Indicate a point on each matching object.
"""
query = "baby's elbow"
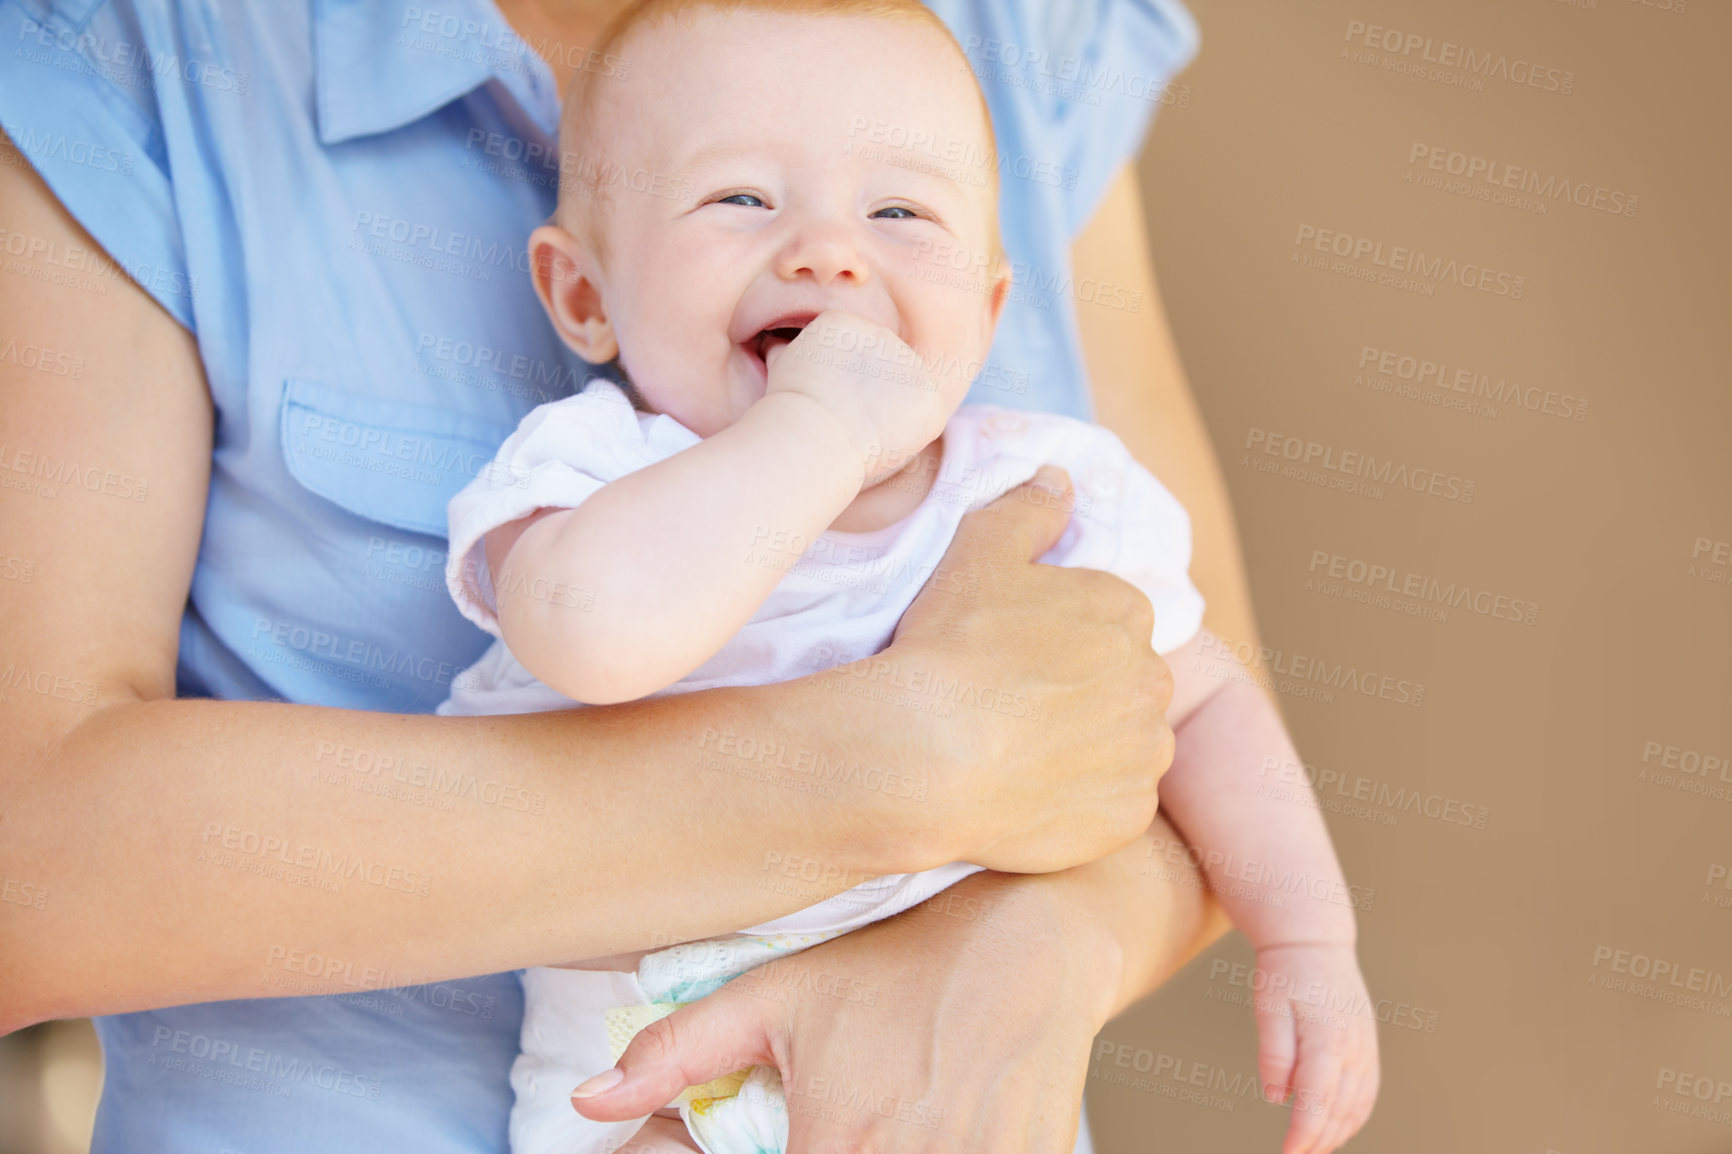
(602, 687)
(570, 666)
(579, 656)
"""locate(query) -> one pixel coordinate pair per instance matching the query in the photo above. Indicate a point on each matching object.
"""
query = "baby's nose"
(826, 253)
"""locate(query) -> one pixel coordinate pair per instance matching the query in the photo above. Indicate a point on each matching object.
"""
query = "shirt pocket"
(393, 462)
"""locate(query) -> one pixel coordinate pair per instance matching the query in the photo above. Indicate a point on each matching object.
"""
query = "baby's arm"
(674, 559)
(1255, 845)
(663, 554)
(1269, 860)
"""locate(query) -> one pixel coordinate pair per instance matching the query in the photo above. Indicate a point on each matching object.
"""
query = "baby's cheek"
(680, 369)
(964, 338)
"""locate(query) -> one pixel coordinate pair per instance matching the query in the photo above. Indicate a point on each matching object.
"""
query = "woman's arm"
(1141, 394)
(965, 1023)
(144, 818)
(1156, 912)
(167, 835)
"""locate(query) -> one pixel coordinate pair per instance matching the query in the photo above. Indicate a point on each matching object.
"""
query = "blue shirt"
(334, 196)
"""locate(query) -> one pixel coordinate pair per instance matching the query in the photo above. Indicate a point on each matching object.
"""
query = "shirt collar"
(382, 64)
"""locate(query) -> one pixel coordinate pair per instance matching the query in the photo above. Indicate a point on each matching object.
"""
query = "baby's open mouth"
(772, 338)
(775, 335)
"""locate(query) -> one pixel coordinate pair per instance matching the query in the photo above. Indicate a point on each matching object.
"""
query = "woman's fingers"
(918, 1033)
(1021, 525)
(711, 1037)
(1054, 751)
(993, 543)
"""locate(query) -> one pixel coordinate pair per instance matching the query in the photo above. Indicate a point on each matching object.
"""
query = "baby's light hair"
(583, 181)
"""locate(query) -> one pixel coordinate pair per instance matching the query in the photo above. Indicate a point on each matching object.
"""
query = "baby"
(784, 471)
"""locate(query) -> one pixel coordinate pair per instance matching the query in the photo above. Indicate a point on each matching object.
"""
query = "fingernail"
(1049, 478)
(600, 1084)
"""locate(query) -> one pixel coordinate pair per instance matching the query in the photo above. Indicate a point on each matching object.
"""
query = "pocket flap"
(389, 461)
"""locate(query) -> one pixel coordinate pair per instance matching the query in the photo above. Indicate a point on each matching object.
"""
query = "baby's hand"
(870, 380)
(1317, 1041)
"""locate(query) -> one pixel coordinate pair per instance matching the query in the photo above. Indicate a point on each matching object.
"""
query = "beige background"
(1596, 520)
(1487, 937)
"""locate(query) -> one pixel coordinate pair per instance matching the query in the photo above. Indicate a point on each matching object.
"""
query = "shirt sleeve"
(1113, 60)
(560, 455)
(78, 100)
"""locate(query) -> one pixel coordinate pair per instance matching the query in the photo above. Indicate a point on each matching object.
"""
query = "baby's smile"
(754, 112)
(774, 334)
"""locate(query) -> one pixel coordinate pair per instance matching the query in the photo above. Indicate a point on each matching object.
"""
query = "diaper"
(576, 1023)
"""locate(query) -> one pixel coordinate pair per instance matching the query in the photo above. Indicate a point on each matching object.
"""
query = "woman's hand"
(1035, 704)
(963, 1025)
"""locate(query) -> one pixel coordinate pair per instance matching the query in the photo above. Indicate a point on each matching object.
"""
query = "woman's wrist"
(1062, 915)
(911, 718)
(873, 770)
(1142, 915)
(912, 725)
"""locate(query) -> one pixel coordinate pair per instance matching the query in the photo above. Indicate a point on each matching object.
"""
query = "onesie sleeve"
(77, 100)
(1155, 556)
(560, 455)
(1125, 522)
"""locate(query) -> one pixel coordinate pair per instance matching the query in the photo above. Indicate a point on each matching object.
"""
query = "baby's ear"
(562, 271)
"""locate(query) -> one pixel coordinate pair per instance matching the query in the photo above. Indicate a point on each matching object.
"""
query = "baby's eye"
(743, 199)
(902, 212)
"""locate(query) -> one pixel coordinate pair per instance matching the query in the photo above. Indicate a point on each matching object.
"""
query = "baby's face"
(791, 136)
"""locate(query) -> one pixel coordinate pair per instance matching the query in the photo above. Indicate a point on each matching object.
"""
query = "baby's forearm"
(674, 559)
(1267, 855)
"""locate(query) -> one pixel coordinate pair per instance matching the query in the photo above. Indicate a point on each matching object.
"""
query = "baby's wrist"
(1323, 926)
(811, 421)
(1298, 920)
(1320, 943)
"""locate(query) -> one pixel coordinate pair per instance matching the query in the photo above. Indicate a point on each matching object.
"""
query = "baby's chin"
(708, 402)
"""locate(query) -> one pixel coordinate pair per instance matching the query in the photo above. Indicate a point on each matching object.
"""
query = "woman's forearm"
(177, 851)
(181, 851)
(1146, 908)
(200, 850)
(1141, 393)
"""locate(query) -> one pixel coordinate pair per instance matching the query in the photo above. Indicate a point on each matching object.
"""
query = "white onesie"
(839, 600)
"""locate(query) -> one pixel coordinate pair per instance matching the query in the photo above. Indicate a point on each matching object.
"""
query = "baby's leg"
(660, 1136)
